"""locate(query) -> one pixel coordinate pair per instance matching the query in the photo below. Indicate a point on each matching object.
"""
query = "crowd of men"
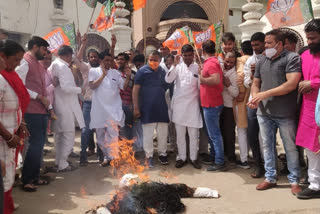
(188, 100)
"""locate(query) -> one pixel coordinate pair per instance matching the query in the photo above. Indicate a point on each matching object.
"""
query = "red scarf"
(16, 83)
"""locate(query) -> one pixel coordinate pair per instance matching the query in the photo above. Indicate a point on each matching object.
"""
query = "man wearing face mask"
(274, 92)
(149, 103)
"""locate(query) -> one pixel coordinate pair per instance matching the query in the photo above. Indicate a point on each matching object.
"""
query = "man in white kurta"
(185, 105)
(106, 112)
(67, 108)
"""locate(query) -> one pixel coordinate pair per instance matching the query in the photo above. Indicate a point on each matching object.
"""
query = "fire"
(152, 210)
(168, 175)
(83, 192)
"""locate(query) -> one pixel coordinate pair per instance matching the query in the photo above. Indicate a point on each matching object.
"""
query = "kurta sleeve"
(171, 75)
(247, 74)
(65, 81)
(22, 71)
(240, 66)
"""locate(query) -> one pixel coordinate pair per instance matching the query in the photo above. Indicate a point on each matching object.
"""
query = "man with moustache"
(308, 131)
(32, 74)
(274, 87)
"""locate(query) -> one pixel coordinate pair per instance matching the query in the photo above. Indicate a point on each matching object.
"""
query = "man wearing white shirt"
(106, 112)
(257, 44)
(66, 106)
(186, 94)
(32, 74)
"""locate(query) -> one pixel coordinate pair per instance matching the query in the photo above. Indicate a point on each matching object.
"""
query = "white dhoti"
(313, 170)
(64, 144)
(162, 134)
(193, 142)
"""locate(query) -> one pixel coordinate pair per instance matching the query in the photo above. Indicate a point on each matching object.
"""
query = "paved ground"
(78, 191)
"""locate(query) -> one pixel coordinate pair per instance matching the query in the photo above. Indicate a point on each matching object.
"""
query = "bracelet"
(11, 139)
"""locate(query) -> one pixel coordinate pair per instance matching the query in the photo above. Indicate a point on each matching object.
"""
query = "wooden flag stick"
(91, 18)
(78, 23)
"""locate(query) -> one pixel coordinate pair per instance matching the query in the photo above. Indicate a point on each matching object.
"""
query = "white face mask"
(271, 52)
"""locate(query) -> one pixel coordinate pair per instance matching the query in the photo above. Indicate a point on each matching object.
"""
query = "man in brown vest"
(36, 117)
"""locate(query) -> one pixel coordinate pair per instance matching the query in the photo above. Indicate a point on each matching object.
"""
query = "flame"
(152, 210)
(83, 192)
(117, 198)
(167, 175)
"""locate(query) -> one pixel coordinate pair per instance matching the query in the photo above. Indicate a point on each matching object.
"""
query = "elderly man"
(274, 88)
(66, 106)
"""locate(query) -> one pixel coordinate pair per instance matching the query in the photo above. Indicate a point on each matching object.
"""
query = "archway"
(193, 26)
(300, 43)
(150, 42)
(95, 42)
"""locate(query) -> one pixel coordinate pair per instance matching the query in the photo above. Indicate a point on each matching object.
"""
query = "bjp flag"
(213, 33)
(106, 16)
(288, 12)
(61, 36)
(179, 38)
(138, 4)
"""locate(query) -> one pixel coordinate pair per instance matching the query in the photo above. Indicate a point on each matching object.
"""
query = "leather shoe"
(295, 189)
(265, 185)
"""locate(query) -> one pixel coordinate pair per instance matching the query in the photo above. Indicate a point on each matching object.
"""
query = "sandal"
(41, 182)
(257, 172)
(68, 169)
(29, 188)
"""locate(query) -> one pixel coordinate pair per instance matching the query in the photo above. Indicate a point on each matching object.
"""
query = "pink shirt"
(308, 131)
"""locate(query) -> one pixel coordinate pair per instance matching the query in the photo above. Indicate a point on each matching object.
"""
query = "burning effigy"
(137, 194)
(151, 197)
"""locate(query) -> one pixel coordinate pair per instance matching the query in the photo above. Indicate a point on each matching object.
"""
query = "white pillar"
(252, 17)
(316, 8)
(121, 29)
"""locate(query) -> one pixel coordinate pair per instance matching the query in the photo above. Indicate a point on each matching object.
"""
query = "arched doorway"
(152, 44)
(300, 43)
(180, 14)
(95, 42)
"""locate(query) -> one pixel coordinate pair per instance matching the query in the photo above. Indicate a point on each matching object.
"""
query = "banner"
(138, 4)
(213, 33)
(288, 12)
(106, 16)
(91, 3)
(61, 36)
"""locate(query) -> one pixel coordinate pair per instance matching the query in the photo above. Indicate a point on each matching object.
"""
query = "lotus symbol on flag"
(282, 6)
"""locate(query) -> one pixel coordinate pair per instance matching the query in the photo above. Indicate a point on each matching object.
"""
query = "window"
(230, 12)
(58, 4)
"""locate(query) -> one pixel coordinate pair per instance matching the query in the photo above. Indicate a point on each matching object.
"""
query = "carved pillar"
(316, 8)
(121, 29)
(252, 17)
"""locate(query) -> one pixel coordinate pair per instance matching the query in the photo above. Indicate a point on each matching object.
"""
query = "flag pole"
(78, 23)
(91, 18)
(145, 30)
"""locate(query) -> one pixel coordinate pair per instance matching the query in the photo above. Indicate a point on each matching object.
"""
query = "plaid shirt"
(10, 118)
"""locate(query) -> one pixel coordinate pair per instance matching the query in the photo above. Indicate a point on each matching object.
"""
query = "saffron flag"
(179, 38)
(138, 4)
(91, 3)
(213, 33)
(288, 12)
(61, 36)
(106, 16)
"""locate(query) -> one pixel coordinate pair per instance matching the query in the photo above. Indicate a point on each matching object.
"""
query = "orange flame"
(152, 210)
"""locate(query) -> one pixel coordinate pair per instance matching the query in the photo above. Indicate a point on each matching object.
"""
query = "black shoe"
(163, 160)
(74, 155)
(180, 163)
(84, 163)
(206, 159)
(196, 164)
(243, 165)
(217, 168)
(308, 194)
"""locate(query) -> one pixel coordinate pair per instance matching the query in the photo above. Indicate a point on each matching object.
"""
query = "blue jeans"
(288, 128)
(212, 117)
(253, 136)
(127, 130)
(85, 132)
(37, 126)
